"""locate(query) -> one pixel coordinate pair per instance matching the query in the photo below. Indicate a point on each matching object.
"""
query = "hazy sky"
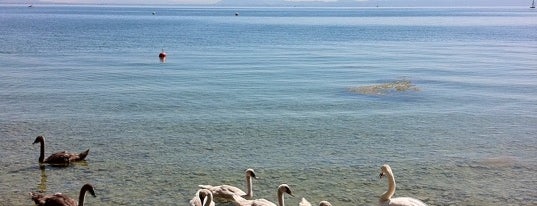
(453, 3)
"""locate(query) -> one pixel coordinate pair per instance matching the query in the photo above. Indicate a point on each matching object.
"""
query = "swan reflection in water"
(42, 186)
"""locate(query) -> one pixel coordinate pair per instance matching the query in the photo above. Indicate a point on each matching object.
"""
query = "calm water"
(271, 90)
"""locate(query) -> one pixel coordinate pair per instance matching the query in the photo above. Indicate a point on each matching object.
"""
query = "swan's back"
(304, 202)
(240, 201)
(262, 202)
(403, 201)
(324, 203)
(57, 199)
(223, 193)
(59, 158)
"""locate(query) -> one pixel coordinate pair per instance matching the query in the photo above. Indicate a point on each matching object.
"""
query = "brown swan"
(58, 158)
(60, 199)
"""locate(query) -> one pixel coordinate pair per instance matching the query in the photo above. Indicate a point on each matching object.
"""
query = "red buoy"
(162, 56)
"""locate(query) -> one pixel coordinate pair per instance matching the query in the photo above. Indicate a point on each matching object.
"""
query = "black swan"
(58, 158)
(60, 199)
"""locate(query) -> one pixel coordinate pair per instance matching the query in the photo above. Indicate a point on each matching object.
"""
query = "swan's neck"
(249, 189)
(81, 197)
(208, 199)
(280, 199)
(42, 152)
(391, 187)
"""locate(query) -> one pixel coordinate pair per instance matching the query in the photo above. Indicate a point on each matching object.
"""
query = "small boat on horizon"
(532, 4)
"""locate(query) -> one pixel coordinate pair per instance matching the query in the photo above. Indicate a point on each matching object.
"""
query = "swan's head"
(384, 170)
(284, 188)
(324, 203)
(89, 188)
(204, 193)
(250, 173)
(39, 139)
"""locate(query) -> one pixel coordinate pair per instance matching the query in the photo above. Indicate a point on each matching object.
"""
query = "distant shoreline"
(258, 6)
(304, 4)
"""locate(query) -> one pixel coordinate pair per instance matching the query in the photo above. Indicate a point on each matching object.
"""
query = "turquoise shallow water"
(271, 90)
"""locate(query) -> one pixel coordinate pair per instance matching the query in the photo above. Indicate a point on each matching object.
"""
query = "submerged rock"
(385, 88)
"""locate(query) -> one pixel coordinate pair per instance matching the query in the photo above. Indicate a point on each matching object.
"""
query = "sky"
(357, 3)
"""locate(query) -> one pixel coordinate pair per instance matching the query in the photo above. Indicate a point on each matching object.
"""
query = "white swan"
(305, 202)
(203, 197)
(324, 203)
(224, 193)
(283, 188)
(386, 198)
